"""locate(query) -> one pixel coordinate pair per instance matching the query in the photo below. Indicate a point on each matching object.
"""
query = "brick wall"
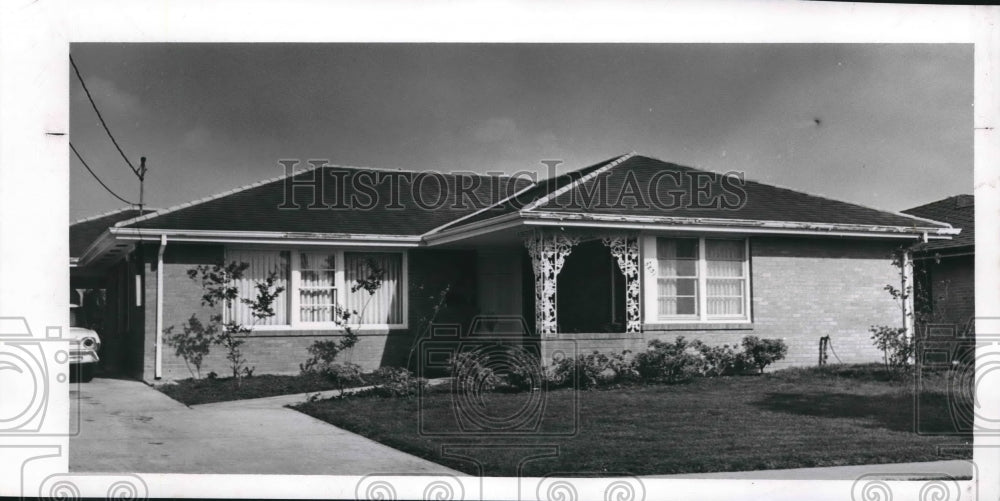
(281, 352)
(952, 288)
(803, 289)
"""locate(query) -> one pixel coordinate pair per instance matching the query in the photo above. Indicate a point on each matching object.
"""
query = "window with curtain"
(261, 264)
(317, 286)
(701, 278)
(678, 276)
(725, 282)
(385, 306)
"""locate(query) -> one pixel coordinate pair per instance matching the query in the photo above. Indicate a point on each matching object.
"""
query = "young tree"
(218, 283)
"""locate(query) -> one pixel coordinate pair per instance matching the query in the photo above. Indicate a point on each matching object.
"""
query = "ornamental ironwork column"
(548, 251)
(625, 249)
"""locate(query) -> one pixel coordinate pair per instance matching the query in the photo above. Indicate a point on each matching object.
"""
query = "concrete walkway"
(127, 426)
(955, 469)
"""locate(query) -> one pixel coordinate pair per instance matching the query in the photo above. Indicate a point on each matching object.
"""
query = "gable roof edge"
(548, 198)
(480, 211)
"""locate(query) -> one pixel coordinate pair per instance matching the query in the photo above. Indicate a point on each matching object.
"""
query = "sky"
(887, 126)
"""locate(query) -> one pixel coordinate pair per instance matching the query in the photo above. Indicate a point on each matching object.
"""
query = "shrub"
(759, 353)
(472, 373)
(396, 382)
(194, 343)
(670, 362)
(593, 370)
(896, 348)
(525, 369)
(721, 361)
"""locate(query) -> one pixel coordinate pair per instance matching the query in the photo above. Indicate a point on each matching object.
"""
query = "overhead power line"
(101, 118)
(91, 171)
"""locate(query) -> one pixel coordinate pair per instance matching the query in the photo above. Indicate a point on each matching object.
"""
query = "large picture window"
(262, 263)
(316, 281)
(697, 279)
(385, 306)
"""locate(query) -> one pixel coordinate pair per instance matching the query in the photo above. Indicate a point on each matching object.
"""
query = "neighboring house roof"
(959, 211)
(83, 232)
(419, 208)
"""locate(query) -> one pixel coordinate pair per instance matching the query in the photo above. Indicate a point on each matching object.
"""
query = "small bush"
(721, 361)
(525, 370)
(472, 373)
(670, 362)
(592, 370)
(396, 382)
(896, 348)
(759, 353)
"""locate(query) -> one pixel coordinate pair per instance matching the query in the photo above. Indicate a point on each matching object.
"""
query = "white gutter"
(158, 367)
(275, 237)
(667, 222)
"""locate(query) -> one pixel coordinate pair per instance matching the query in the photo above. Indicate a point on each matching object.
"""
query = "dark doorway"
(590, 293)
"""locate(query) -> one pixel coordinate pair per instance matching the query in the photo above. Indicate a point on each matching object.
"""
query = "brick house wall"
(281, 352)
(952, 282)
(802, 289)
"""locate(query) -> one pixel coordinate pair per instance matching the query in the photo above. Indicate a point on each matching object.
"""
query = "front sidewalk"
(127, 426)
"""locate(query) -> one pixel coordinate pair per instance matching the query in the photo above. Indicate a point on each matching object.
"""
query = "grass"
(787, 419)
(203, 391)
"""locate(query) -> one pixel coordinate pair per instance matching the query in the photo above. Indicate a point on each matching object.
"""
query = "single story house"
(945, 270)
(605, 258)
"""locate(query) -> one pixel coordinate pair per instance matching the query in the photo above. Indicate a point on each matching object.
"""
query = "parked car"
(84, 344)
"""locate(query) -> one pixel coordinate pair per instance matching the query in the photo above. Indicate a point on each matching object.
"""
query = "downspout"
(908, 291)
(158, 367)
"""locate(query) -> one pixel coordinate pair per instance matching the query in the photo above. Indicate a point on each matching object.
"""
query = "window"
(317, 286)
(316, 281)
(385, 306)
(262, 263)
(725, 282)
(678, 278)
(697, 279)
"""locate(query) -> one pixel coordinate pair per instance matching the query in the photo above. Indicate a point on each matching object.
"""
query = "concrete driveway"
(127, 426)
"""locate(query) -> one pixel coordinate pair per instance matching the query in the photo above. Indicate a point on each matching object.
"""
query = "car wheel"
(86, 372)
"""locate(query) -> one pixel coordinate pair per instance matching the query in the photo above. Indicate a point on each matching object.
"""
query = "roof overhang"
(684, 224)
(266, 237)
(118, 241)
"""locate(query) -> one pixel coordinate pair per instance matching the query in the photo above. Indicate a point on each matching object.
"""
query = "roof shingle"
(959, 211)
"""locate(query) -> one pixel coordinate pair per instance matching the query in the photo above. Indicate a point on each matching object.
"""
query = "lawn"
(203, 391)
(787, 419)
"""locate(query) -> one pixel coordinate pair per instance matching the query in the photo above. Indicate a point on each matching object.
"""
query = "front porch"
(575, 290)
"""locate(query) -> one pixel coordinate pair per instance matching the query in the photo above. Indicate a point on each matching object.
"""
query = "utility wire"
(82, 161)
(101, 118)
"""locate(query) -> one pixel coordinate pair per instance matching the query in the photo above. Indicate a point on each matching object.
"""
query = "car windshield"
(74, 317)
